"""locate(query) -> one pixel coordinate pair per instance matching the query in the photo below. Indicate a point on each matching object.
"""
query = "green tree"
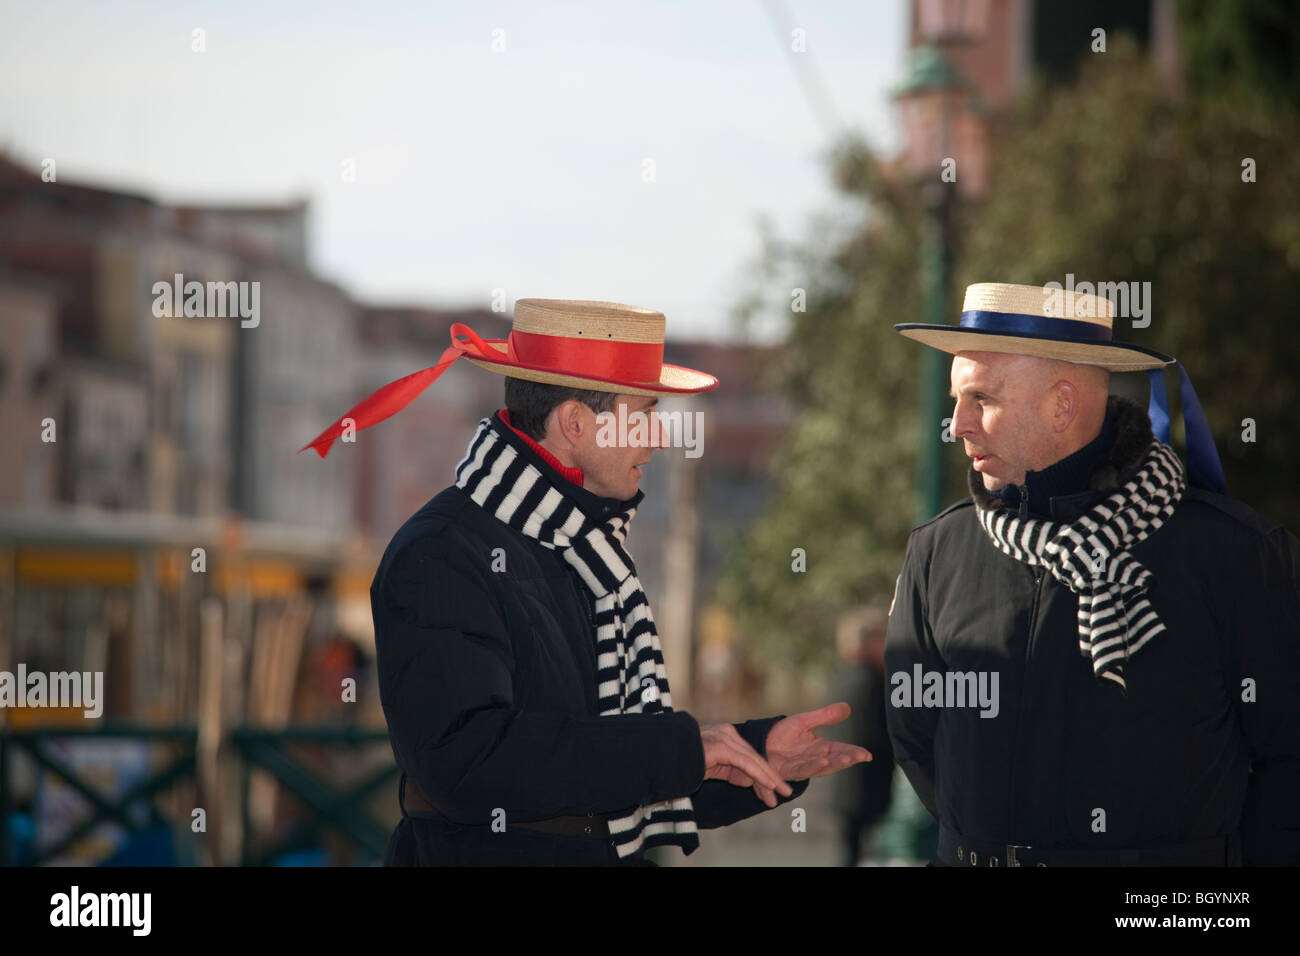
(1249, 48)
(1108, 179)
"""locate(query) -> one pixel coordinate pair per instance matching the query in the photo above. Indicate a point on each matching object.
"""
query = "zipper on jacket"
(589, 645)
(1039, 573)
(1024, 502)
(582, 599)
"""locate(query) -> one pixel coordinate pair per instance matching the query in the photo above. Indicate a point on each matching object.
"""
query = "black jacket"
(487, 680)
(1181, 757)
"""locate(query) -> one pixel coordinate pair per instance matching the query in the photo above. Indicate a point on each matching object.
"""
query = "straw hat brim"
(1115, 356)
(673, 379)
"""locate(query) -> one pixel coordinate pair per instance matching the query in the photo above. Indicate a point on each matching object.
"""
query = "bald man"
(1090, 661)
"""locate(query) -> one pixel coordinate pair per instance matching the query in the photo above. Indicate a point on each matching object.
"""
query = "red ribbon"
(631, 362)
(640, 362)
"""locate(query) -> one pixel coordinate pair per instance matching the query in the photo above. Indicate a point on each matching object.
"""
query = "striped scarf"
(1091, 557)
(630, 670)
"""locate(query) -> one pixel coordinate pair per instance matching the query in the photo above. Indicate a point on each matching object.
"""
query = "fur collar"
(1132, 439)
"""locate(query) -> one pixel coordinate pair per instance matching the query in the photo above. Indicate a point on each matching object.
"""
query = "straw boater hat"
(601, 346)
(1033, 320)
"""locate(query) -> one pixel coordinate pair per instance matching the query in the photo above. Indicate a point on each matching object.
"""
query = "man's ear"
(1066, 405)
(568, 420)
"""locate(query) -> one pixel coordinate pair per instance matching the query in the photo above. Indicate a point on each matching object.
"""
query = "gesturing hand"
(727, 756)
(795, 751)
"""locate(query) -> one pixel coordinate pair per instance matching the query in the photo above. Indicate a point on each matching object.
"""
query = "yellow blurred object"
(262, 578)
(96, 567)
(35, 718)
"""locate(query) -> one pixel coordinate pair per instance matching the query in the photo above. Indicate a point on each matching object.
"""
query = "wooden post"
(681, 548)
(211, 730)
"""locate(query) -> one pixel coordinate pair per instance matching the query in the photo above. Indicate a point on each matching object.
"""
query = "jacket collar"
(571, 473)
(1132, 439)
(590, 504)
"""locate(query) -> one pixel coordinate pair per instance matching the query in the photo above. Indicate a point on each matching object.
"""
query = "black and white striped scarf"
(1091, 557)
(630, 669)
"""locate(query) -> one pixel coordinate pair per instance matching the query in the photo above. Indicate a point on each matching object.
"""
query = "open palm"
(796, 752)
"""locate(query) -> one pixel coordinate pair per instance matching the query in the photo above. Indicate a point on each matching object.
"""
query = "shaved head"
(1019, 413)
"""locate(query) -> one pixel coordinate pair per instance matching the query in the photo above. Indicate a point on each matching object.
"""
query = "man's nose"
(658, 433)
(963, 421)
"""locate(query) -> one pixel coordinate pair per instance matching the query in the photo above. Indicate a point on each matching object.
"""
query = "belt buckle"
(1011, 853)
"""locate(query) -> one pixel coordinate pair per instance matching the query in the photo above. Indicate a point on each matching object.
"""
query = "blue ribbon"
(1034, 325)
(1204, 470)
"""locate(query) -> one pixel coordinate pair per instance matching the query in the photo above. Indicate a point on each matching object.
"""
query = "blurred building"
(989, 50)
(104, 250)
(165, 410)
(296, 373)
(997, 45)
(104, 425)
(28, 390)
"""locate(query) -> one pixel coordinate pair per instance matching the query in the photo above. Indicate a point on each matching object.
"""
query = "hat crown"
(1040, 301)
(589, 319)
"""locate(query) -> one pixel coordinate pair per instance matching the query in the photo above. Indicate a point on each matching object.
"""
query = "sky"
(603, 150)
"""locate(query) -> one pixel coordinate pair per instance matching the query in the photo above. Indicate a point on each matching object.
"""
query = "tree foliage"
(1109, 179)
(1248, 47)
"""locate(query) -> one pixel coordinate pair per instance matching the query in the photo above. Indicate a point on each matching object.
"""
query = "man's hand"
(796, 753)
(727, 756)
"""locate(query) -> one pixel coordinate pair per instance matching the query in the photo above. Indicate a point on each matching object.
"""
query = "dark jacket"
(1181, 757)
(488, 684)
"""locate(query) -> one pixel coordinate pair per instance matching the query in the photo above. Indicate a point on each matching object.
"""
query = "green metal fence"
(340, 809)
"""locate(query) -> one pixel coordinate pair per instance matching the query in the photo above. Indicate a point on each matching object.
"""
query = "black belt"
(956, 850)
(583, 825)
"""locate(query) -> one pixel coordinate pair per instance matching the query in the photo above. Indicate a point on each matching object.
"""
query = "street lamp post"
(936, 270)
(933, 101)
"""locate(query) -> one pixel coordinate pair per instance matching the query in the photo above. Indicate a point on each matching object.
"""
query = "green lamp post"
(930, 98)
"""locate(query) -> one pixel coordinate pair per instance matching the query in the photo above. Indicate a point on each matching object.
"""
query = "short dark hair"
(529, 403)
